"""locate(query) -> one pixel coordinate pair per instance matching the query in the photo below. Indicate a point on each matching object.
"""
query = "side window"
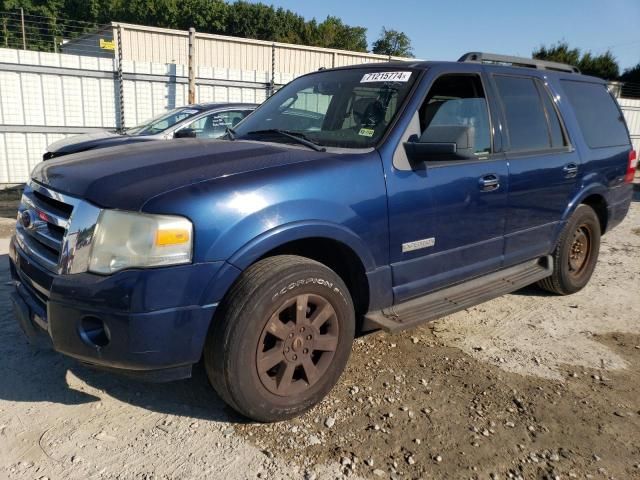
(456, 111)
(215, 125)
(525, 115)
(599, 118)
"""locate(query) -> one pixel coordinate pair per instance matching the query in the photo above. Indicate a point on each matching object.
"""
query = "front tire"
(281, 339)
(576, 253)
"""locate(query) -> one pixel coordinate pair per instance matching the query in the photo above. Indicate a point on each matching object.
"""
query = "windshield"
(341, 108)
(162, 122)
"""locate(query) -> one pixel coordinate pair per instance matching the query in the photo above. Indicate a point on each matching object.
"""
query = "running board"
(458, 297)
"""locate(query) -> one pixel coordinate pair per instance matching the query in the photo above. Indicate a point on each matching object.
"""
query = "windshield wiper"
(299, 137)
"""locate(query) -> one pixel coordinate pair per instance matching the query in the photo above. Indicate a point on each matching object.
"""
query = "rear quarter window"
(599, 117)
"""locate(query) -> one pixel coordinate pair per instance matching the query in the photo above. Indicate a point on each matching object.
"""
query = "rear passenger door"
(543, 166)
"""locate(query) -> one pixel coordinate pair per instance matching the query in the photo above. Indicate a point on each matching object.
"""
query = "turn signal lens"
(171, 237)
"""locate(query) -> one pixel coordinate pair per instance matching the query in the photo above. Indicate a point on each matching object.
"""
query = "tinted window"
(457, 102)
(599, 118)
(557, 136)
(526, 120)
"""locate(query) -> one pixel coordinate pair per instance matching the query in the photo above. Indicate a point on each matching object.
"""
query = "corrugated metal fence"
(161, 45)
(631, 110)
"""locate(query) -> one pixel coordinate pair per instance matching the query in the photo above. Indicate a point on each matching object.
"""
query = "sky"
(444, 30)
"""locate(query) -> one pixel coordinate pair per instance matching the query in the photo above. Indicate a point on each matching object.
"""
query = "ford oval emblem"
(27, 219)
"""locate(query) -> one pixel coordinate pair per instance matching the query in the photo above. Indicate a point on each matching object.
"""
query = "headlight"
(128, 240)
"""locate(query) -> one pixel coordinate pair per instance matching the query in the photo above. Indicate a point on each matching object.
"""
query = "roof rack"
(482, 57)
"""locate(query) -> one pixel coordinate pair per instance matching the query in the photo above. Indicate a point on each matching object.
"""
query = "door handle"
(489, 183)
(570, 170)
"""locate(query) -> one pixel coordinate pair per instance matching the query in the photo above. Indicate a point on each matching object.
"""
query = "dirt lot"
(526, 386)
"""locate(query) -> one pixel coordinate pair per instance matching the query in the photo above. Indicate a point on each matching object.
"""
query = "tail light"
(631, 168)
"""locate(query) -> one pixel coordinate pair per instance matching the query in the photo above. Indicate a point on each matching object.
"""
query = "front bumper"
(147, 323)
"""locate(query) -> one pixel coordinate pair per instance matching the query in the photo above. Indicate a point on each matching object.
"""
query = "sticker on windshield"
(366, 132)
(190, 112)
(386, 77)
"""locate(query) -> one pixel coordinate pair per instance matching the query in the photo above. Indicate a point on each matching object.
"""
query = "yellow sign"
(107, 44)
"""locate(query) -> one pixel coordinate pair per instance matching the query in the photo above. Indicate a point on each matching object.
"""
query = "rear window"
(598, 115)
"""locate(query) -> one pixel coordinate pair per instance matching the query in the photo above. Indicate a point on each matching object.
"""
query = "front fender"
(238, 219)
(260, 245)
(271, 239)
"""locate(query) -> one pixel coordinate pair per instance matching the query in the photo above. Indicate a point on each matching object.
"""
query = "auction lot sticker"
(386, 77)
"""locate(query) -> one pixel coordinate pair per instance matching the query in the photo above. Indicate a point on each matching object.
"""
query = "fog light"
(94, 332)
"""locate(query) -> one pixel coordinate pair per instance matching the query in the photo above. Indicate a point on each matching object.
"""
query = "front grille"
(43, 219)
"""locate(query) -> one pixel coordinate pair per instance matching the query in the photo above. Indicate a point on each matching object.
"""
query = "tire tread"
(223, 331)
(553, 283)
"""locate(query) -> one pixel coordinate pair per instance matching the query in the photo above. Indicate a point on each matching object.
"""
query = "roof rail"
(482, 57)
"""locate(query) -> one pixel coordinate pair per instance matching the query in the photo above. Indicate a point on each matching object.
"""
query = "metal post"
(192, 71)
(333, 60)
(24, 35)
(121, 126)
(55, 38)
(272, 85)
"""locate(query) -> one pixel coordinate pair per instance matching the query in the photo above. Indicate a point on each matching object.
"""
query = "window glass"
(526, 121)
(215, 125)
(456, 110)
(351, 108)
(557, 135)
(307, 112)
(164, 121)
(599, 118)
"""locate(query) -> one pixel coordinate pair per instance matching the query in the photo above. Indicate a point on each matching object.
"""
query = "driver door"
(447, 214)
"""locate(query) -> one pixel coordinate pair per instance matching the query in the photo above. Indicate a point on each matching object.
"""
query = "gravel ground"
(529, 385)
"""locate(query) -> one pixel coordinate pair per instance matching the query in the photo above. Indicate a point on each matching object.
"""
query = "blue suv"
(355, 199)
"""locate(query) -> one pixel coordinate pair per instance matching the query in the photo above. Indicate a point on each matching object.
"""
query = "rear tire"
(576, 253)
(281, 338)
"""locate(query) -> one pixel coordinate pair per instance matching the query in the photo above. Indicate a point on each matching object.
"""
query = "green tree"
(631, 75)
(240, 18)
(393, 43)
(333, 33)
(631, 82)
(603, 66)
(204, 15)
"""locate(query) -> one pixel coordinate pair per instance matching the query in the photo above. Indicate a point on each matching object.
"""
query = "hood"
(126, 177)
(87, 141)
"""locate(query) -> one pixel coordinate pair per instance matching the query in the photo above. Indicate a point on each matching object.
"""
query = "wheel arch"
(599, 204)
(332, 245)
(596, 197)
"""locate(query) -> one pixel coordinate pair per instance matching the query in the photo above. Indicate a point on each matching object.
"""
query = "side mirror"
(185, 133)
(442, 142)
(424, 151)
